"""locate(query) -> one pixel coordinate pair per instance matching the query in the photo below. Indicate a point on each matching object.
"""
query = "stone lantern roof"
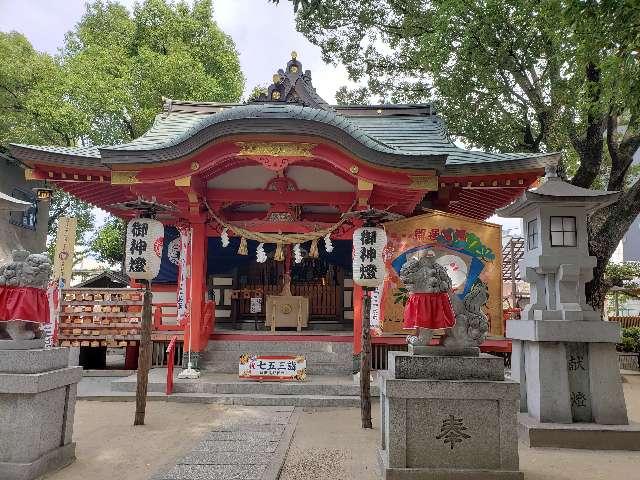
(553, 190)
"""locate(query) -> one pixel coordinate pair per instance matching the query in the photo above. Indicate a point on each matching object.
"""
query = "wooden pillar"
(197, 289)
(357, 326)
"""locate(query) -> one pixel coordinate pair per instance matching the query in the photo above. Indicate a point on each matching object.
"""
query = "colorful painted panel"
(468, 249)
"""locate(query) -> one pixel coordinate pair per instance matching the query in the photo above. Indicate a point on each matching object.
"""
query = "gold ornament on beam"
(279, 254)
(313, 250)
(243, 249)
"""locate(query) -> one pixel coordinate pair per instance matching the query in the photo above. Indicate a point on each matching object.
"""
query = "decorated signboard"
(272, 367)
(145, 238)
(468, 249)
(65, 245)
(368, 264)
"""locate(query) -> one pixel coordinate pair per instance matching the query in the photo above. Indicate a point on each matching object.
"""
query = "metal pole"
(144, 357)
(365, 360)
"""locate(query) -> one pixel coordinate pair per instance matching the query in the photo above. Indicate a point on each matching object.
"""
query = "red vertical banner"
(357, 319)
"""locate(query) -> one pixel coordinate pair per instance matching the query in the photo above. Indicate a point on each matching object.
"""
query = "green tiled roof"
(388, 138)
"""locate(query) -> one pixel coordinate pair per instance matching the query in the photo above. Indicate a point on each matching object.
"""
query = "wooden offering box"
(99, 317)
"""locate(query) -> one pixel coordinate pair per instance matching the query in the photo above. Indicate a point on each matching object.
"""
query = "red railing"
(170, 360)
(160, 313)
(207, 323)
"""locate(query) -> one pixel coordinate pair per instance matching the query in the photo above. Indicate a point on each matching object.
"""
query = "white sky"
(264, 35)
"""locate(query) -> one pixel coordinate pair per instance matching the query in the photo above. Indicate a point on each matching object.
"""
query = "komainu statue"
(23, 299)
(433, 305)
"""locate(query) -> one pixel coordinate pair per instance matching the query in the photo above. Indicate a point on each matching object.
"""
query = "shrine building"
(281, 176)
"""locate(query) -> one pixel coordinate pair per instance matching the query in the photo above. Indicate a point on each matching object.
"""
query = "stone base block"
(563, 331)
(444, 429)
(33, 361)
(441, 350)
(483, 367)
(50, 461)
(441, 473)
(587, 436)
(22, 344)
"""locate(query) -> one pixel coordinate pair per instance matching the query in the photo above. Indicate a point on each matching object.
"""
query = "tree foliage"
(107, 83)
(508, 75)
(108, 242)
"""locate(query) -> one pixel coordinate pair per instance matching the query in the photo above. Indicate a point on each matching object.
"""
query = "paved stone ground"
(247, 446)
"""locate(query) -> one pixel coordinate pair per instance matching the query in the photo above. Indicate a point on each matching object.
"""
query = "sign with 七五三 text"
(272, 367)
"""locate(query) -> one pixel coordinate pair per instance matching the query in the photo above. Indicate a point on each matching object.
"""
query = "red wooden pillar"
(357, 326)
(197, 287)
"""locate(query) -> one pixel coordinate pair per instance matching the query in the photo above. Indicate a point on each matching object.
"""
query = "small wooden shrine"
(263, 188)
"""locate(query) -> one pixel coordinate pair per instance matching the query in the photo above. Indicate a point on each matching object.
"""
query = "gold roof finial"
(276, 78)
(294, 55)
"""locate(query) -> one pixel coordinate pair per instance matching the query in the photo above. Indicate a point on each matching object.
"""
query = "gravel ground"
(329, 444)
(109, 447)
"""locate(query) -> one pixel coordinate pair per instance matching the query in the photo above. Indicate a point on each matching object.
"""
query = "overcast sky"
(264, 35)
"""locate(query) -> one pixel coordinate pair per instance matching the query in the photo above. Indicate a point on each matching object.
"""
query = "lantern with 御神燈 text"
(145, 237)
(368, 265)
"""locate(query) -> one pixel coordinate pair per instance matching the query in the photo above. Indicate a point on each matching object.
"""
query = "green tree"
(509, 75)
(108, 242)
(107, 84)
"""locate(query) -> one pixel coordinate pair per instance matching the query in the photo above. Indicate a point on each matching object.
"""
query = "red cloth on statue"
(28, 304)
(428, 310)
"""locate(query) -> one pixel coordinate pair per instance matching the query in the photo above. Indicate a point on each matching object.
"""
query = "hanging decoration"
(279, 254)
(313, 250)
(184, 259)
(224, 237)
(261, 256)
(368, 265)
(243, 249)
(328, 244)
(283, 238)
(297, 253)
(144, 248)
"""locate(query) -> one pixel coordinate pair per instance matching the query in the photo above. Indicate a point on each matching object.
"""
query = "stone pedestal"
(446, 417)
(570, 384)
(37, 403)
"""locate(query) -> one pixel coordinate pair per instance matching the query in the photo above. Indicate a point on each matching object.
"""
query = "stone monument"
(37, 386)
(563, 353)
(447, 411)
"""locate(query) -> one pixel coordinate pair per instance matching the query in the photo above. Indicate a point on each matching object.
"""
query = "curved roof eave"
(170, 140)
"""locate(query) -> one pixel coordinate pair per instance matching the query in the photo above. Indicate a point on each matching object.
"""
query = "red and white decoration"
(145, 237)
(183, 299)
(368, 265)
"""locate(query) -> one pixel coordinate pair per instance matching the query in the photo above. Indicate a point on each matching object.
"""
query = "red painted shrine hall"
(286, 163)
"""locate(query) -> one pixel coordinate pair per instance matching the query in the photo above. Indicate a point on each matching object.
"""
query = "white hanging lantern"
(145, 237)
(368, 265)
(297, 253)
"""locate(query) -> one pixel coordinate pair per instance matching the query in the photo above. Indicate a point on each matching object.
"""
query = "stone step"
(249, 388)
(223, 356)
(265, 346)
(267, 400)
(313, 368)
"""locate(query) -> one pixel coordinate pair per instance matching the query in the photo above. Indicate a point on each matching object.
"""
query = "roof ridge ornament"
(292, 85)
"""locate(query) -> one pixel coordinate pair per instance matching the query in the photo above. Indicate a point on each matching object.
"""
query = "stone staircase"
(317, 391)
(323, 358)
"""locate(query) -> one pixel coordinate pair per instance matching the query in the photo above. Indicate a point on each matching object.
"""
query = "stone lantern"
(563, 353)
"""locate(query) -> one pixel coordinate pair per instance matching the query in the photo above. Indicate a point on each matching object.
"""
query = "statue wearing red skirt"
(429, 307)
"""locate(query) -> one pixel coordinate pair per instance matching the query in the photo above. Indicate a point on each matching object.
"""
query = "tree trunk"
(144, 358)
(365, 361)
